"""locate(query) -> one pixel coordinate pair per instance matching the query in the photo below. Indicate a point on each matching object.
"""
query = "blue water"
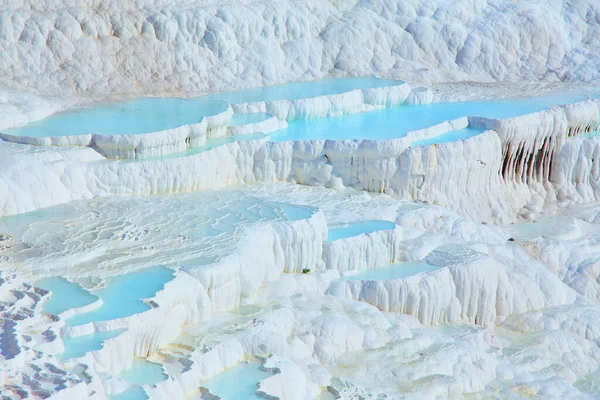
(122, 295)
(145, 115)
(294, 212)
(357, 228)
(394, 122)
(238, 383)
(19, 224)
(551, 226)
(133, 393)
(452, 136)
(251, 118)
(65, 295)
(79, 345)
(394, 271)
(144, 372)
(130, 117)
(303, 90)
(589, 384)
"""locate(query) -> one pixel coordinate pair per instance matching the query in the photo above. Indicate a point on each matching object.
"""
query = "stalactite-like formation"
(530, 142)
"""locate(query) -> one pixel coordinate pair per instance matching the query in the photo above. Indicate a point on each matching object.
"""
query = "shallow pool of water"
(303, 90)
(65, 295)
(292, 212)
(133, 393)
(238, 383)
(552, 226)
(121, 296)
(142, 115)
(358, 228)
(593, 134)
(396, 122)
(153, 114)
(590, 384)
(145, 115)
(79, 345)
(458, 330)
(452, 136)
(144, 372)
(394, 271)
(116, 235)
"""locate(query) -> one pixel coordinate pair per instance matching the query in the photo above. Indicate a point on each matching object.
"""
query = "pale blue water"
(79, 345)
(396, 122)
(122, 295)
(458, 330)
(251, 118)
(144, 115)
(357, 228)
(133, 393)
(294, 212)
(20, 223)
(130, 117)
(65, 295)
(452, 136)
(303, 90)
(394, 271)
(551, 226)
(238, 383)
(144, 372)
(593, 134)
(589, 384)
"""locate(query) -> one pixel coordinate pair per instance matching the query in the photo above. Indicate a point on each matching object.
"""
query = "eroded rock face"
(129, 46)
(488, 311)
(501, 311)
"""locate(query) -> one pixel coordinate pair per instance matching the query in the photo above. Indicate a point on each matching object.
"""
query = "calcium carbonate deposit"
(299, 200)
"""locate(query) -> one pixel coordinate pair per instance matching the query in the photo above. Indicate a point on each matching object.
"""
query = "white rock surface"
(312, 338)
(510, 312)
(125, 46)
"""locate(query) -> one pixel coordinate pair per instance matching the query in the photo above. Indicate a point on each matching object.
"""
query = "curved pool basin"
(358, 228)
(137, 116)
(395, 122)
(393, 271)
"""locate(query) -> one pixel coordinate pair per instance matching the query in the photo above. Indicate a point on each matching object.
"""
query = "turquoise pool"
(452, 136)
(79, 345)
(65, 295)
(358, 228)
(142, 115)
(394, 122)
(303, 90)
(121, 296)
(133, 393)
(144, 372)
(393, 271)
(238, 383)
(145, 115)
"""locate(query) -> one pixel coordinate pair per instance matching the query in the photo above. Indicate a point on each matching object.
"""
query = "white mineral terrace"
(90, 276)
(299, 200)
